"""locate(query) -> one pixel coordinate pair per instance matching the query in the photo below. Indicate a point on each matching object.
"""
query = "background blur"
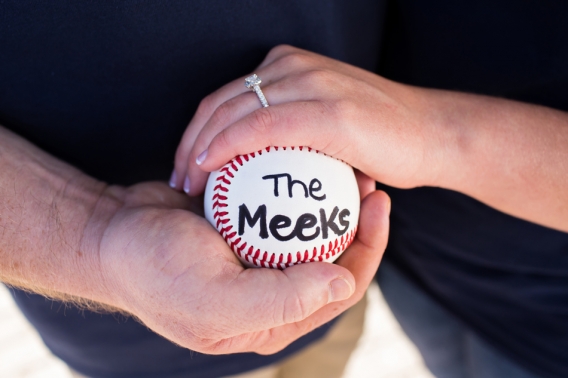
(383, 351)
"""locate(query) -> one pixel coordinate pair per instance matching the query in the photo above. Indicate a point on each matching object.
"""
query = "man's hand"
(174, 272)
(143, 250)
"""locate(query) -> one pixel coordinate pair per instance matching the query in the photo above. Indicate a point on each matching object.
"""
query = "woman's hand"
(380, 127)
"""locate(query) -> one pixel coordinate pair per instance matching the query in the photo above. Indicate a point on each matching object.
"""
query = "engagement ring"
(253, 82)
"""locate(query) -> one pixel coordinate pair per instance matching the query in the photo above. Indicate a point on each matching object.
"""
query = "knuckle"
(320, 78)
(344, 108)
(294, 310)
(222, 141)
(262, 121)
(222, 114)
(282, 49)
(206, 106)
(277, 52)
(296, 60)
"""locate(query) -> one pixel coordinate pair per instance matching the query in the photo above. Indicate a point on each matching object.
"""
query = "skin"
(510, 155)
(146, 251)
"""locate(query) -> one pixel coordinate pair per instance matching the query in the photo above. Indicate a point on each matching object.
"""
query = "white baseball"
(284, 206)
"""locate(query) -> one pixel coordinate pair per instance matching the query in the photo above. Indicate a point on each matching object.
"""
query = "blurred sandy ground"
(383, 351)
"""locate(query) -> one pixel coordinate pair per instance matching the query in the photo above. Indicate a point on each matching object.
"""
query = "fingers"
(288, 74)
(361, 260)
(274, 298)
(229, 112)
(306, 123)
(365, 183)
(372, 235)
(204, 111)
(210, 104)
(295, 87)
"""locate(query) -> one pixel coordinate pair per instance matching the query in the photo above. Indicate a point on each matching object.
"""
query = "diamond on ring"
(253, 82)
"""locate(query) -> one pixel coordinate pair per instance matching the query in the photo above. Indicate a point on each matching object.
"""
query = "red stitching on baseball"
(224, 180)
(220, 187)
(251, 255)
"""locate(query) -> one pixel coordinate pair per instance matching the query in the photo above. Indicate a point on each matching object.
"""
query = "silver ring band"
(253, 82)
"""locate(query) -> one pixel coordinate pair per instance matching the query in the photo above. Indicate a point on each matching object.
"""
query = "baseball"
(282, 206)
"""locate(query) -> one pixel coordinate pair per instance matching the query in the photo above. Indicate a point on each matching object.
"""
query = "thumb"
(274, 298)
(361, 261)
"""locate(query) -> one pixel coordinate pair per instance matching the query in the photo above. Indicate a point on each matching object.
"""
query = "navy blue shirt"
(110, 86)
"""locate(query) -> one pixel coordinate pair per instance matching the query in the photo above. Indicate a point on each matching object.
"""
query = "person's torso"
(505, 277)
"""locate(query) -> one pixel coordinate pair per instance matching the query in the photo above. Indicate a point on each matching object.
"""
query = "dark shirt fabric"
(110, 86)
(504, 277)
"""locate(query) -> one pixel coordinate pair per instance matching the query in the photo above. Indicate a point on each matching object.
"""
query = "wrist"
(46, 210)
(443, 137)
(98, 288)
(418, 150)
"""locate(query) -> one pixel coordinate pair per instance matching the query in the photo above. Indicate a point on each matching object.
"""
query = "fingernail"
(186, 184)
(201, 158)
(339, 289)
(173, 180)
